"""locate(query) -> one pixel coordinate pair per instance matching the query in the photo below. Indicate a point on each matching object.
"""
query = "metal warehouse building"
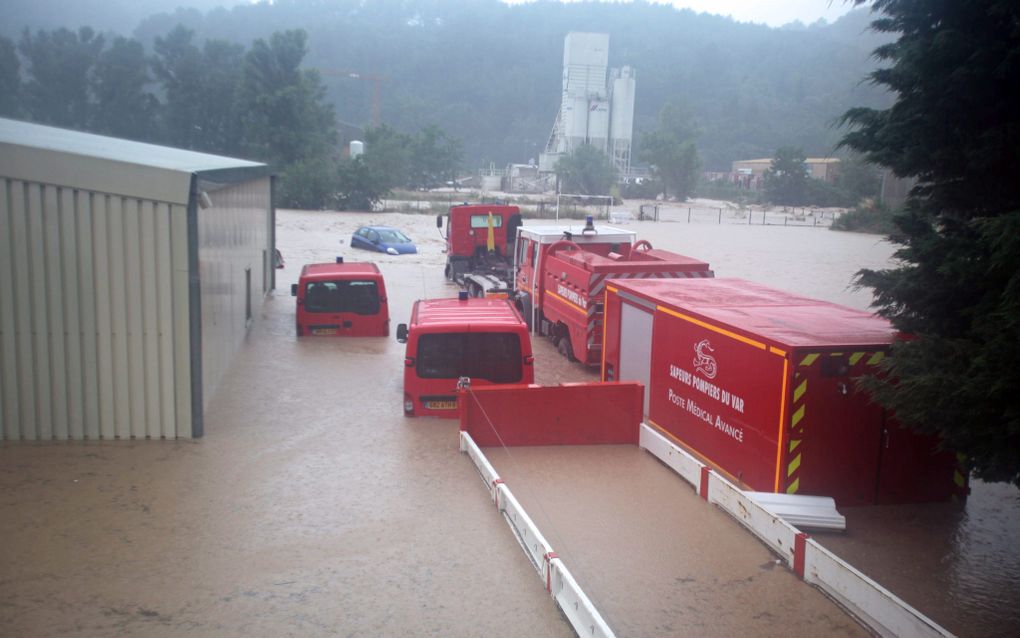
(129, 275)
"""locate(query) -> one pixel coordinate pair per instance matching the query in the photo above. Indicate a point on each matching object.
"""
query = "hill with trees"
(488, 74)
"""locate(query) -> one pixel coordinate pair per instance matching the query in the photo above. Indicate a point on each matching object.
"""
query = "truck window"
(482, 221)
(493, 356)
(358, 296)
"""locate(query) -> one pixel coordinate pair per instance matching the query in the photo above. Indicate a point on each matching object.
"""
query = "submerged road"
(313, 507)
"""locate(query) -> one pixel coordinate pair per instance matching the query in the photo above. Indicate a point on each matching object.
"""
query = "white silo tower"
(621, 126)
(357, 147)
(588, 105)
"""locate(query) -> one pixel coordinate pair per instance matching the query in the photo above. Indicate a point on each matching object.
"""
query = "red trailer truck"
(561, 275)
(480, 247)
(759, 383)
(485, 340)
(341, 299)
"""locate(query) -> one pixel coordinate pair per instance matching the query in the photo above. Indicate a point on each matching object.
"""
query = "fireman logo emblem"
(704, 362)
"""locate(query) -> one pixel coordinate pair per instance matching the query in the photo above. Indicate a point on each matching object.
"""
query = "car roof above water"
(347, 269)
(466, 313)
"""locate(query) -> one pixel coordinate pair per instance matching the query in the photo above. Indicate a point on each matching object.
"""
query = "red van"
(341, 299)
(483, 339)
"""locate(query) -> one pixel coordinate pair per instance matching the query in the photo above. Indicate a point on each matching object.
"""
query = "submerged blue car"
(383, 239)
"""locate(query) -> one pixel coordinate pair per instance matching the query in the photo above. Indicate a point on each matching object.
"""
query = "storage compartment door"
(636, 346)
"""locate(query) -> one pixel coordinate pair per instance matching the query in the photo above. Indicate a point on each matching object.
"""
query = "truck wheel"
(563, 345)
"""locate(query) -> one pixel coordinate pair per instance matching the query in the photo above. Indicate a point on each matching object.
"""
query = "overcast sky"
(771, 12)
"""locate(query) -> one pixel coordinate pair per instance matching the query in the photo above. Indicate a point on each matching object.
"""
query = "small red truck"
(759, 384)
(562, 273)
(480, 246)
(341, 299)
(485, 340)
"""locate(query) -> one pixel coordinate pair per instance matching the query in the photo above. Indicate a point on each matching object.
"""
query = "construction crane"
(376, 81)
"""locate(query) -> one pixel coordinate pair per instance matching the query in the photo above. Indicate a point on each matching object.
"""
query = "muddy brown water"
(312, 507)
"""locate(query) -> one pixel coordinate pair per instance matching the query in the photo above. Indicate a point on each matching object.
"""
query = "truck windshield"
(493, 356)
(482, 221)
(357, 296)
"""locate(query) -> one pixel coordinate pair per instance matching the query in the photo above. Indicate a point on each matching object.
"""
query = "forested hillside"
(489, 74)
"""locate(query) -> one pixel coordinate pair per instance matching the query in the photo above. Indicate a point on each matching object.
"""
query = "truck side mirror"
(293, 290)
(439, 221)
(402, 332)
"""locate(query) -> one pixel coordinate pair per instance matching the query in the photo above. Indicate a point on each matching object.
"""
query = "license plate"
(323, 331)
(441, 405)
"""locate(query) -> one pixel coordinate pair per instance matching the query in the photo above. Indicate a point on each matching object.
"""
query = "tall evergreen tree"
(10, 79)
(60, 67)
(123, 105)
(955, 127)
(286, 116)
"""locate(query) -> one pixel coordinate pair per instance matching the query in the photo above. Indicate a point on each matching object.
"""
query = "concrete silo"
(588, 106)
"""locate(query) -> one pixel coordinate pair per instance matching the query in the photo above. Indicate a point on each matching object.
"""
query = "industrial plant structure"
(597, 107)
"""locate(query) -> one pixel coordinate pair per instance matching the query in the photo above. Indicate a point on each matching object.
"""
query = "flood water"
(313, 507)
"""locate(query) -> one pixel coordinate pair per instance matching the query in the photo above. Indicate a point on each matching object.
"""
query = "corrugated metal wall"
(234, 262)
(94, 337)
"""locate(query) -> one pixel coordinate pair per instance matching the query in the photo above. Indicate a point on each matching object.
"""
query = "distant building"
(823, 168)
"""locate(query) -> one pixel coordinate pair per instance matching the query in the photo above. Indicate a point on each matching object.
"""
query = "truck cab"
(480, 240)
(484, 339)
(341, 300)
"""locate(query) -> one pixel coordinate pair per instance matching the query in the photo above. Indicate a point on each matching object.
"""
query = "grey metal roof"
(34, 152)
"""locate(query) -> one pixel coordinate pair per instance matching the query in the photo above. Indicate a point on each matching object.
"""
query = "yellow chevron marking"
(794, 444)
(875, 358)
(793, 486)
(808, 360)
(799, 391)
(958, 478)
(835, 354)
(797, 416)
(794, 464)
(855, 357)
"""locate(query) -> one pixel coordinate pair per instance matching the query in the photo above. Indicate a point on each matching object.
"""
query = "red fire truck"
(562, 272)
(341, 299)
(480, 246)
(485, 340)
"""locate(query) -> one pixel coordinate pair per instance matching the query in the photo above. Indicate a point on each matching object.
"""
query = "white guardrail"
(875, 606)
(579, 610)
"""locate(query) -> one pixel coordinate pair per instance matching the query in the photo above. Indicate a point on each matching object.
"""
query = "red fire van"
(483, 339)
(341, 299)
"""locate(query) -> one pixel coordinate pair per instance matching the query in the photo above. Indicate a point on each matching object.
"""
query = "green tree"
(201, 88)
(957, 289)
(671, 151)
(387, 156)
(786, 179)
(586, 171)
(435, 158)
(10, 79)
(859, 178)
(286, 117)
(360, 186)
(123, 106)
(59, 66)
